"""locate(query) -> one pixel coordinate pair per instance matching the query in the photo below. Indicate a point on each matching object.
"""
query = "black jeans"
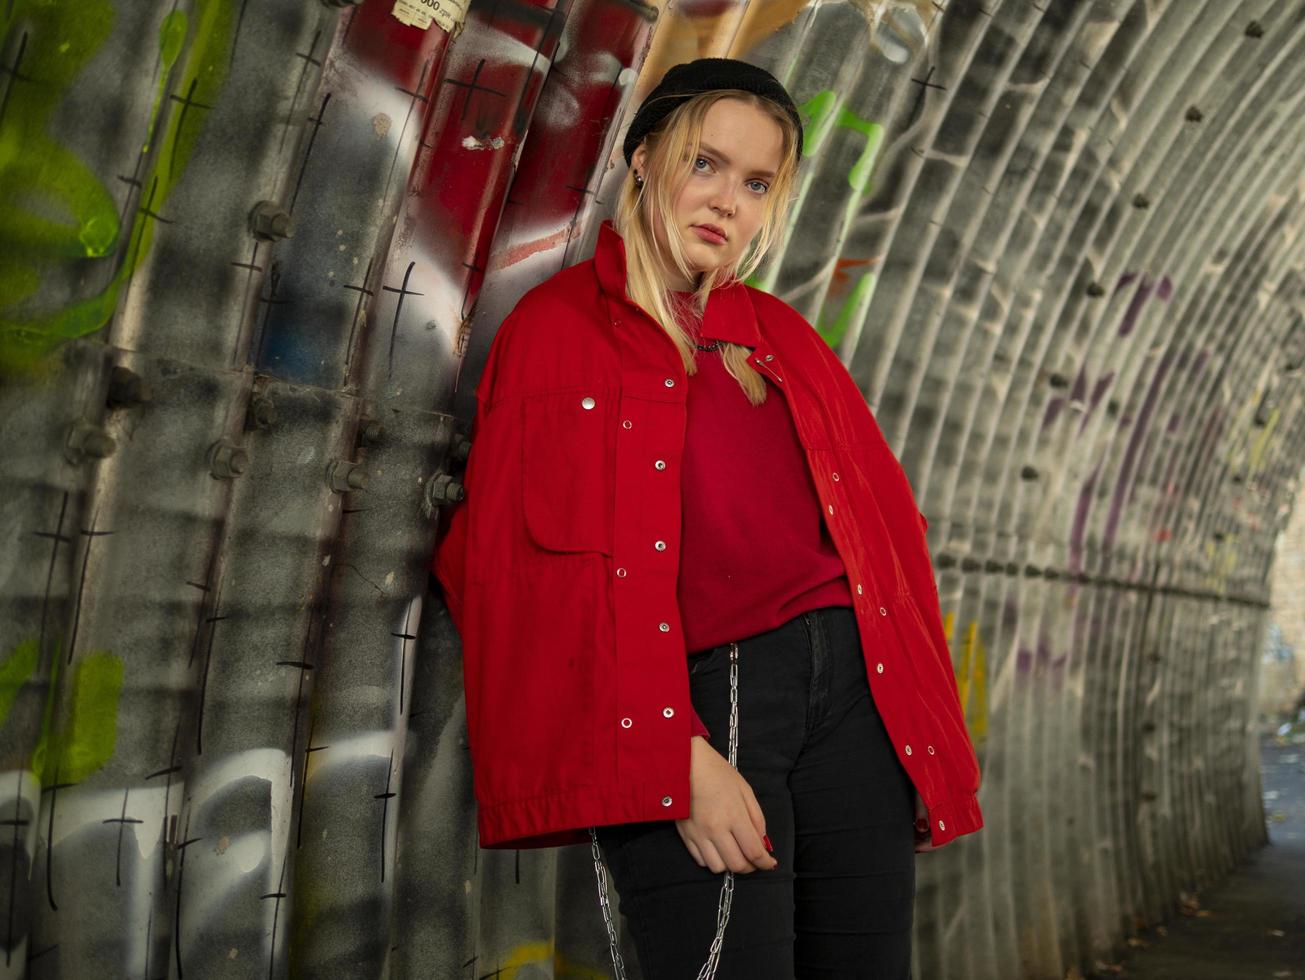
(838, 807)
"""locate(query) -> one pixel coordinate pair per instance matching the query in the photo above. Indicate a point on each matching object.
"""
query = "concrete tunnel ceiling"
(1058, 244)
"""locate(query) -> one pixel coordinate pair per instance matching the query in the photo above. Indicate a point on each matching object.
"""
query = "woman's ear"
(638, 159)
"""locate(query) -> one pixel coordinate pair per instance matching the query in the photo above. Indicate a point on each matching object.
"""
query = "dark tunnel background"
(253, 258)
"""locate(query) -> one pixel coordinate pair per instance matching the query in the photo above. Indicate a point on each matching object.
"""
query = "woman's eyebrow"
(726, 160)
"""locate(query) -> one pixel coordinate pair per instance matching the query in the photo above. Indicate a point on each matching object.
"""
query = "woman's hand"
(725, 825)
(923, 832)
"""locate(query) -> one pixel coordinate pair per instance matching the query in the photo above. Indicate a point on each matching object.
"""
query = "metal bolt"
(1095, 289)
(127, 388)
(370, 432)
(443, 489)
(270, 222)
(1194, 114)
(461, 448)
(1028, 473)
(1141, 201)
(344, 475)
(226, 461)
(85, 439)
(262, 413)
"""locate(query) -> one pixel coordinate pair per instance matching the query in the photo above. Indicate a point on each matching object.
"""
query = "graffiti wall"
(252, 256)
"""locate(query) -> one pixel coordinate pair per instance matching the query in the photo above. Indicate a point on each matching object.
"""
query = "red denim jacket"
(559, 569)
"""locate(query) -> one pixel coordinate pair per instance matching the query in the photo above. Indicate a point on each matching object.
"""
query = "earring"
(638, 181)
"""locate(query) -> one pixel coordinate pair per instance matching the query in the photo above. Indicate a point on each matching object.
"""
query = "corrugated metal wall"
(253, 257)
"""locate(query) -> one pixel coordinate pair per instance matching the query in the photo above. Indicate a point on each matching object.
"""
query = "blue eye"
(701, 160)
(761, 184)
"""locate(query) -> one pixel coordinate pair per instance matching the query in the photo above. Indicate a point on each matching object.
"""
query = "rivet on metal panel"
(1095, 289)
(370, 432)
(1141, 201)
(262, 413)
(442, 489)
(127, 388)
(1029, 473)
(344, 475)
(269, 222)
(87, 440)
(226, 461)
(461, 448)
(1194, 114)
(1254, 29)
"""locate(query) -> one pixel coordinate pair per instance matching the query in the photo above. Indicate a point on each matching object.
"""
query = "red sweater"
(744, 468)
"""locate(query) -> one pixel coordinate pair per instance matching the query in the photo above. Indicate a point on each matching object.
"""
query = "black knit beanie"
(682, 82)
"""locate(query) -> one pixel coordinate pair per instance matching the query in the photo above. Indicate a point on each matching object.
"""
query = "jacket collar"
(729, 315)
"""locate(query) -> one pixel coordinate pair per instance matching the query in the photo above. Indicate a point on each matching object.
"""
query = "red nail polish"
(765, 839)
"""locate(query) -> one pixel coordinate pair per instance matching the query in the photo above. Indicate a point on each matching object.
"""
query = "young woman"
(699, 620)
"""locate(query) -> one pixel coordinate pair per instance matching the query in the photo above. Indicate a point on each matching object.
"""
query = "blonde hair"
(671, 151)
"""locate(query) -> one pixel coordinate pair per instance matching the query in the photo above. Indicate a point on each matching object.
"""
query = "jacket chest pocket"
(568, 469)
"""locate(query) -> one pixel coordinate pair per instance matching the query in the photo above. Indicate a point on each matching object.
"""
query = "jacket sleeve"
(699, 728)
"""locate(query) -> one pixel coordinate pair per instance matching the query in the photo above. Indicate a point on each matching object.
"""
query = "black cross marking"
(303, 782)
(312, 140)
(276, 911)
(53, 790)
(133, 184)
(32, 957)
(471, 963)
(90, 534)
(407, 118)
(17, 823)
(140, 237)
(208, 660)
(385, 807)
(405, 636)
(520, 119)
(122, 822)
(472, 88)
(181, 872)
(299, 86)
(269, 301)
(490, 976)
(172, 767)
(402, 291)
(58, 537)
(12, 72)
(363, 294)
(939, 7)
(924, 83)
(466, 292)
(186, 104)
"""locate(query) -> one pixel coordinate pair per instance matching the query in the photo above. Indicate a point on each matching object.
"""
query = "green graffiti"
(16, 667)
(65, 213)
(853, 310)
(85, 740)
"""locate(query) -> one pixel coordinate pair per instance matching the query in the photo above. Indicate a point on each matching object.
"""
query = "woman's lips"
(709, 236)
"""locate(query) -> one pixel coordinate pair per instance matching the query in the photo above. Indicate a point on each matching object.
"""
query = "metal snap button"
(668, 712)
(660, 545)
(664, 627)
(879, 668)
(883, 611)
(941, 825)
(858, 588)
(625, 424)
(831, 508)
(770, 357)
(666, 801)
(586, 402)
(931, 751)
(670, 382)
(621, 573)
(908, 750)
(626, 722)
(835, 477)
(660, 464)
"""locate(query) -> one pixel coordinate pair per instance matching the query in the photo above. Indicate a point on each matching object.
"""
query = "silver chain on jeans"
(708, 970)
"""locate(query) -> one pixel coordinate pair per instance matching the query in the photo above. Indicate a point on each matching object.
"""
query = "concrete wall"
(1058, 244)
